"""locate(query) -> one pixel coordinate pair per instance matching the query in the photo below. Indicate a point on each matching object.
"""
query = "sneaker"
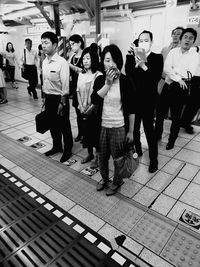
(153, 167)
(189, 129)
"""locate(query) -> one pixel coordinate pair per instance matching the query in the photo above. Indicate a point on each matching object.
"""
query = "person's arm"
(129, 136)
(169, 67)
(80, 104)
(110, 74)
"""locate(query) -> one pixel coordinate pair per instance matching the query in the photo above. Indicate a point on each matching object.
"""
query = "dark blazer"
(127, 97)
(146, 82)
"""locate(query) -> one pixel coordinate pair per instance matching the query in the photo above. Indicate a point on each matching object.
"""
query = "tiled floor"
(165, 195)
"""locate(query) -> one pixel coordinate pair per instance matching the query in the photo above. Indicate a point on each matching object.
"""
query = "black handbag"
(126, 165)
(24, 70)
(42, 121)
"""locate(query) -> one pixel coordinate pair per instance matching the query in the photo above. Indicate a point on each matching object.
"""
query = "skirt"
(2, 80)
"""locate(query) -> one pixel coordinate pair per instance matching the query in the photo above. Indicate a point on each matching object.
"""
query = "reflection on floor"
(159, 213)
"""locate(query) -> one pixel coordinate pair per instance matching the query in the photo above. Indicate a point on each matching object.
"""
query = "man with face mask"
(145, 76)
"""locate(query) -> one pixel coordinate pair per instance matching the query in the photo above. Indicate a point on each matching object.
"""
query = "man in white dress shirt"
(180, 64)
(30, 59)
(55, 71)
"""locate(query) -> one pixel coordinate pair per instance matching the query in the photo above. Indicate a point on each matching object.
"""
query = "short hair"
(92, 51)
(77, 38)
(177, 28)
(28, 40)
(51, 36)
(148, 32)
(191, 30)
(115, 53)
(12, 50)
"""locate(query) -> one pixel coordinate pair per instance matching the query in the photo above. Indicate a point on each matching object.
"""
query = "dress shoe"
(87, 159)
(65, 156)
(78, 138)
(53, 151)
(102, 184)
(113, 189)
(153, 167)
(169, 146)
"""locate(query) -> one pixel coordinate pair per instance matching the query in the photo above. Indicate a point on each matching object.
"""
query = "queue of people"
(117, 103)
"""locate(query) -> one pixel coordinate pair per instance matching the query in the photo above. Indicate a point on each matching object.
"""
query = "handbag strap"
(91, 86)
(24, 56)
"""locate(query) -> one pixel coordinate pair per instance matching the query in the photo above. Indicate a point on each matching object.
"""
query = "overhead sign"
(193, 20)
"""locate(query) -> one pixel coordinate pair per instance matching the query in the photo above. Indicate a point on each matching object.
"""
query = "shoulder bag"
(126, 165)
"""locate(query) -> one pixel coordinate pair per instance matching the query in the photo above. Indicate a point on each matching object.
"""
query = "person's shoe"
(102, 185)
(87, 159)
(53, 151)
(113, 189)
(153, 167)
(139, 152)
(189, 129)
(65, 157)
(78, 138)
(169, 145)
(4, 101)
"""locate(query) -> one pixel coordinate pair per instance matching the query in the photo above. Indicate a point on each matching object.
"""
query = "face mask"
(145, 46)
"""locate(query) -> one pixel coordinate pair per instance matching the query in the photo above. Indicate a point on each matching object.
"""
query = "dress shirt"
(55, 75)
(178, 63)
(31, 57)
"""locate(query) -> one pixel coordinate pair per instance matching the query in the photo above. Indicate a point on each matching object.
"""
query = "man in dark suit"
(145, 70)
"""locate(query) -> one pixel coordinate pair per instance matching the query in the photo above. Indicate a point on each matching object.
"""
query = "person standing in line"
(77, 46)
(176, 33)
(193, 103)
(179, 63)
(3, 90)
(86, 79)
(55, 70)
(11, 60)
(113, 93)
(30, 59)
(145, 74)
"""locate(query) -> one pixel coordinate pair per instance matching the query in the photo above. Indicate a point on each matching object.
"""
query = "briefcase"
(42, 122)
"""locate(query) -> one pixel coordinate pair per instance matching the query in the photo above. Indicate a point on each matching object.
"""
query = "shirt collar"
(53, 58)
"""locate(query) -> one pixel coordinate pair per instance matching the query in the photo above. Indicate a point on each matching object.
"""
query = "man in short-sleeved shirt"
(55, 70)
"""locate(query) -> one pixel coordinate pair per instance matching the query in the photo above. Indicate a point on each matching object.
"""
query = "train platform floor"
(159, 213)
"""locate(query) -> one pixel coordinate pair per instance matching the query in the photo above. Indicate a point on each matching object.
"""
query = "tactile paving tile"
(182, 250)
(98, 204)
(79, 190)
(152, 232)
(123, 216)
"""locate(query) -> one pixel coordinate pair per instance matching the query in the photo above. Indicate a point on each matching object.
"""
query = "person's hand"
(129, 137)
(139, 63)
(60, 109)
(110, 75)
(183, 85)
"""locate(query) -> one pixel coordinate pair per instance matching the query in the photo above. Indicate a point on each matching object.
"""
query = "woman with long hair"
(10, 62)
(3, 90)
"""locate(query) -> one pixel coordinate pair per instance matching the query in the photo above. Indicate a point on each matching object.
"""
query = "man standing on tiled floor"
(56, 89)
